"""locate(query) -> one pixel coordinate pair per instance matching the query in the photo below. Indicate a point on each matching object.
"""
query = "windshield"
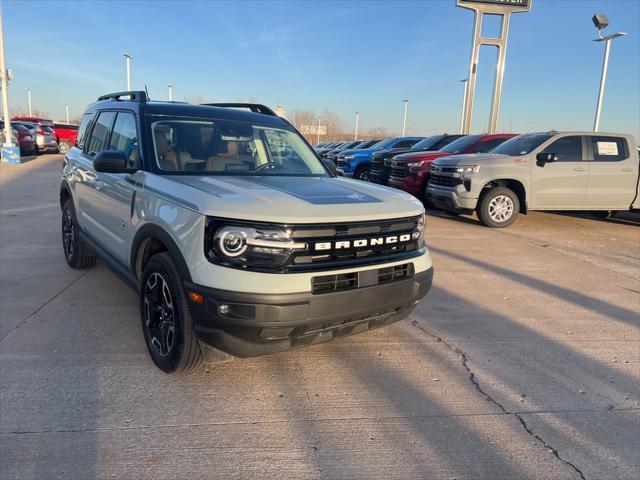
(383, 144)
(426, 143)
(222, 147)
(521, 145)
(462, 144)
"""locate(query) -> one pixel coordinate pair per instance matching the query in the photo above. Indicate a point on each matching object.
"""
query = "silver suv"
(237, 237)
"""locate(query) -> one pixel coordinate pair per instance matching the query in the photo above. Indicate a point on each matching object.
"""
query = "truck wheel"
(166, 322)
(64, 146)
(498, 208)
(363, 172)
(76, 252)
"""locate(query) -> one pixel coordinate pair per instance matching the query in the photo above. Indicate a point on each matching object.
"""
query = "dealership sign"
(313, 129)
(520, 5)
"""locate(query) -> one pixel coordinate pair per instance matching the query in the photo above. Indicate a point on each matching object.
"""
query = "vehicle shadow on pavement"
(579, 299)
(557, 390)
(631, 219)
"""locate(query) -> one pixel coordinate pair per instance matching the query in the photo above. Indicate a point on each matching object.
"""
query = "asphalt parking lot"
(522, 362)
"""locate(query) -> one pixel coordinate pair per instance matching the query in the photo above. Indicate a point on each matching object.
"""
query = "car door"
(113, 193)
(613, 173)
(562, 184)
(86, 176)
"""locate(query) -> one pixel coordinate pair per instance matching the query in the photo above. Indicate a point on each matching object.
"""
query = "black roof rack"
(134, 96)
(254, 107)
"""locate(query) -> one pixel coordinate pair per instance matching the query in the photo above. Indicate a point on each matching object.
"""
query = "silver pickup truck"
(540, 171)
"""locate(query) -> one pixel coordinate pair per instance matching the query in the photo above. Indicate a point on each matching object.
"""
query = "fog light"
(224, 309)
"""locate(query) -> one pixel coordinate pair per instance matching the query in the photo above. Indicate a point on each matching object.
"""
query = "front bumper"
(449, 199)
(259, 324)
(342, 173)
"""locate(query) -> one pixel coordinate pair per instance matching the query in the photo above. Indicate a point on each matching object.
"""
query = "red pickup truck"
(410, 171)
(65, 133)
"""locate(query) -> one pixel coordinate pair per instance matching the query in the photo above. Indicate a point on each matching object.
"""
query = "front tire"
(76, 252)
(166, 322)
(363, 173)
(498, 208)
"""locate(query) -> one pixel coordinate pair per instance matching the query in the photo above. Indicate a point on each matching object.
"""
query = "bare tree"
(333, 123)
(19, 111)
(198, 99)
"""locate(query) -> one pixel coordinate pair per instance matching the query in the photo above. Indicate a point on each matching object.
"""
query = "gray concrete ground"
(523, 362)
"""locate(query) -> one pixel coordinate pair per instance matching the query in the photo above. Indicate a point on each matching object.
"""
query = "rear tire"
(363, 172)
(498, 208)
(167, 325)
(76, 252)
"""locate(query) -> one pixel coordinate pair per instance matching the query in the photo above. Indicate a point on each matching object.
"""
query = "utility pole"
(318, 131)
(355, 137)
(404, 120)
(5, 84)
(464, 104)
(170, 92)
(66, 107)
(29, 101)
(128, 58)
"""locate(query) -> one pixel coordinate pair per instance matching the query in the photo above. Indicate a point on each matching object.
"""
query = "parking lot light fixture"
(29, 101)
(601, 22)
(128, 57)
(66, 107)
(404, 119)
(171, 92)
(318, 131)
(355, 136)
(464, 103)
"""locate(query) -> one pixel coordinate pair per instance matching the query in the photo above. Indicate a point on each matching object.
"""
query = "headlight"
(468, 169)
(419, 231)
(349, 157)
(415, 166)
(249, 247)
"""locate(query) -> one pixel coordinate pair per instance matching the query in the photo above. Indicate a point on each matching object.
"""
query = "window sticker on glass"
(607, 148)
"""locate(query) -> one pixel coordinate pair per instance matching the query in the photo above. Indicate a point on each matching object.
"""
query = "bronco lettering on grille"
(363, 242)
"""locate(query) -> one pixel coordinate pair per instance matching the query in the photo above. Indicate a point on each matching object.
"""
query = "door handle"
(628, 169)
(579, 169)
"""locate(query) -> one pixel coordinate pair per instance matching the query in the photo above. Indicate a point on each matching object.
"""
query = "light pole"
(318, 131)
(66, 108)
(601, 22)
(464, 104)
(355, 136)
(404, 120)
(170, 92)
(128, 58)
(29, 101)
(5, 84)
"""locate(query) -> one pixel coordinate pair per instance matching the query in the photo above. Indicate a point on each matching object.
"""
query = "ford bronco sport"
(237, 238)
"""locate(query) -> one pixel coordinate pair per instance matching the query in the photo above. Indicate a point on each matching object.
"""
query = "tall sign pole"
(480, 8)
(5, 83)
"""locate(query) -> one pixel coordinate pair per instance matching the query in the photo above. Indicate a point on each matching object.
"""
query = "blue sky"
(346, 56)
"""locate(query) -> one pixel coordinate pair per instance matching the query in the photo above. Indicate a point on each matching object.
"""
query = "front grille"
(380, 169)
(444, 180)
(340, 162)
(398, 170)
(350, 281)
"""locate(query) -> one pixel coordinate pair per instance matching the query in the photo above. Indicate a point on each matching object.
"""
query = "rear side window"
(406, 143)
(567, 149)
(100, 133)
(83, 129)
(124, 137)
(609, 149)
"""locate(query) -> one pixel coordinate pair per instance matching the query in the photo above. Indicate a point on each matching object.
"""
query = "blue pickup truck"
(357, 163)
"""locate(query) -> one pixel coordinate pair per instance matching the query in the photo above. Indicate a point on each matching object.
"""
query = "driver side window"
(567, 149)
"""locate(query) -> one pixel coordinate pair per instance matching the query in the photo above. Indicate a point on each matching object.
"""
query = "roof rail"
(134, 96)
(254, 107)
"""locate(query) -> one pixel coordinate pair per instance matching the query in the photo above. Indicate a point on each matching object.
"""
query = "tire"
(64, 146)
(363, 172)
(37, 149)
(76, 252)
(498, 208)
(167, 325)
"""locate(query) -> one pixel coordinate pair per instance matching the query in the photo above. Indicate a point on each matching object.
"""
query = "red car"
(410, 171)
(26, 142)
(65, 135)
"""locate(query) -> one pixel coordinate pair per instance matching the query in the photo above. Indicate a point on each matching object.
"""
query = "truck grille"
(444, 180)
(398, 170)
(350, 281)
(340, 161)
(380, 169)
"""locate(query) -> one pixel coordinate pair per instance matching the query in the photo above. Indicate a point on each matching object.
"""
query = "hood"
(390, 153)
(417, 156)
(469, 159)
(286, 199)
(359, 151)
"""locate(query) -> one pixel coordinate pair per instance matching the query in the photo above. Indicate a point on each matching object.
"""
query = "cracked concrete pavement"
(523, 362)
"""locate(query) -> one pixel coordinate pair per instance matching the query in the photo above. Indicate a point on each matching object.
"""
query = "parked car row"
(47, 136)
(499, 176)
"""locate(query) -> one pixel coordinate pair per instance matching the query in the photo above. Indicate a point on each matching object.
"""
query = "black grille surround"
(352, 280)
(309, 260)
(444, 180)
(399, 170)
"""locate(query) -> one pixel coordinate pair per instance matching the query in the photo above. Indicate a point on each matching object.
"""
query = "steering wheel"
(269, 166)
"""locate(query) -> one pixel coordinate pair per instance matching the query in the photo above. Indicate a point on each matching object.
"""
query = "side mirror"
(111, 161)
(330, 166)
(544, 158)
